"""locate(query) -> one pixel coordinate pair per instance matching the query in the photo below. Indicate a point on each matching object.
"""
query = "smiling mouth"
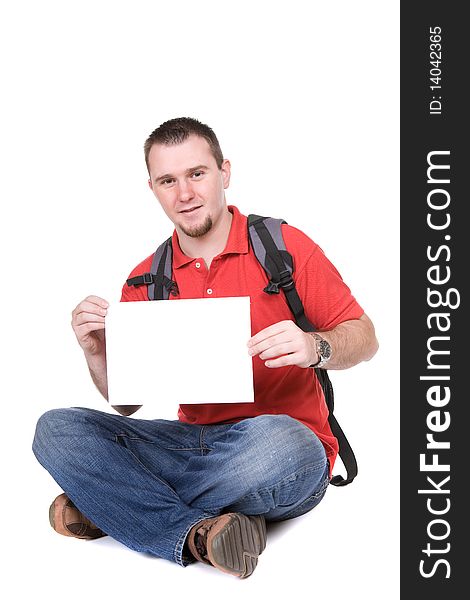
(189, 210)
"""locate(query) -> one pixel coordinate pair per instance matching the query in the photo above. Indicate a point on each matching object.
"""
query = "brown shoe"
(66, 519)
(231, 542)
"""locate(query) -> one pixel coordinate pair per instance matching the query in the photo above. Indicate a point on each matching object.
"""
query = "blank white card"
(165, 353)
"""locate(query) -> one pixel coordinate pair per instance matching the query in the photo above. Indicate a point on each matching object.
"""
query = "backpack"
(265, 236)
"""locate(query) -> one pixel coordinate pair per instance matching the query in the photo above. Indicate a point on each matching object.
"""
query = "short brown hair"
(177, 131)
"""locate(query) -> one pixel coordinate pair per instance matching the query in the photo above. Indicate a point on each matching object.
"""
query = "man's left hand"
(283, 344)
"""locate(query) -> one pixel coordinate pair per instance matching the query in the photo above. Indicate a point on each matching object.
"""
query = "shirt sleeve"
(327, 299)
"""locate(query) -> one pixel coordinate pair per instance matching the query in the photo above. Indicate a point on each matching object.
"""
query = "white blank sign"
(179, 352)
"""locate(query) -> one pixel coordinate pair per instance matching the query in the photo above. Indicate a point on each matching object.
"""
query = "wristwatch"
(323, 349)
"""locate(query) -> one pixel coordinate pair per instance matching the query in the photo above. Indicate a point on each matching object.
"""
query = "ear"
(225, 170)
(150, 184)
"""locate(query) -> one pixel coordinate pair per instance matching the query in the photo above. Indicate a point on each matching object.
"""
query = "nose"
(185, 191)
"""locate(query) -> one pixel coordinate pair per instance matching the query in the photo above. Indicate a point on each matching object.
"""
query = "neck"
(210, 245)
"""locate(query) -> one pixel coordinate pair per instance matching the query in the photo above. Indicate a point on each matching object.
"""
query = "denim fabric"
(147, 482)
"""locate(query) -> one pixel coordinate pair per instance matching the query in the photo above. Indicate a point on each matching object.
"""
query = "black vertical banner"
(435, 332)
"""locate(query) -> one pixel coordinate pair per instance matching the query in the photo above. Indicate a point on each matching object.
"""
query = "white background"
(303, 96)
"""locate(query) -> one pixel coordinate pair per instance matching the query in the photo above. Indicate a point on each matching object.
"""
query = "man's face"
(188, 184)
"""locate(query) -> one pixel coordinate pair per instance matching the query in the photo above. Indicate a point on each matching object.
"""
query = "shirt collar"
(237, 242)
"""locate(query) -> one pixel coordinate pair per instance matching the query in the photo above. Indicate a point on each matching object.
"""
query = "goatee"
(198, 230)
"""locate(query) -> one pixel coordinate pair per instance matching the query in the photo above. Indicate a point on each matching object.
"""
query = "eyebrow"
(187, 172)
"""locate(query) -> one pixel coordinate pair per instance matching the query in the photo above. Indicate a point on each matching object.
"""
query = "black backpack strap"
(345, 453)
(159, 282)
(268, 245)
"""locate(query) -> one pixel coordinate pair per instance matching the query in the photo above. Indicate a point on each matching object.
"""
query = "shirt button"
(197, 265)
(209, 291)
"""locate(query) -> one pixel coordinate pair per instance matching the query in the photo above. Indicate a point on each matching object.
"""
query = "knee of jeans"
(282, 446)
(55, 423)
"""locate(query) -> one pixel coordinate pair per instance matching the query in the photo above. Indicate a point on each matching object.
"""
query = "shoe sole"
(236, 547)
(52, 515)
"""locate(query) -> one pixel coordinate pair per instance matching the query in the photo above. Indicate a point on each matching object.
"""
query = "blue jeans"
(147, 482)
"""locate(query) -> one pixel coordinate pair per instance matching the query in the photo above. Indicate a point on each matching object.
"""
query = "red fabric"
(236, 272)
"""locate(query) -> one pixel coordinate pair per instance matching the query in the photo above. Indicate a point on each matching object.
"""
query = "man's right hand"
(88, 325)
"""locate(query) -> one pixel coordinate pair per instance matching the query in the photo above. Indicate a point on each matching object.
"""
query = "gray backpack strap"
(158, 280)
(268, 244)
(274, 266)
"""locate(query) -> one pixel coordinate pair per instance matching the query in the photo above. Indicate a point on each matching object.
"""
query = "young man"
(203, 487)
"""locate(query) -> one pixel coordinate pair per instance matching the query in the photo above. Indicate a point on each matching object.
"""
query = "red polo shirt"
(236, 272)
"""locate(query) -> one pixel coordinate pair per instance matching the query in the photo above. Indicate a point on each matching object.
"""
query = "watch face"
(324, 350)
